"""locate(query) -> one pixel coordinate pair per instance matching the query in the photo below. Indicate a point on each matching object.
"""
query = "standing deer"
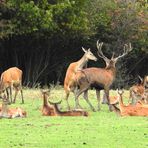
(98, 78)
(73, 68)
(131, 110)
(11, 78)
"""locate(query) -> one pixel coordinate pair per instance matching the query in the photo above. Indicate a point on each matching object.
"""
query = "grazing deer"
(11, 78)
(53, 110)
(6, 112)
(73, 68)
(98, 78)
(130, 110)
(138, 91)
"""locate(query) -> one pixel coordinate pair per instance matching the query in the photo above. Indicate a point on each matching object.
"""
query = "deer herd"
(78, 80)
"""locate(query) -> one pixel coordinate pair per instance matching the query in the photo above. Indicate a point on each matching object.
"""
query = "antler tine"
(100, 53)
(126, 49)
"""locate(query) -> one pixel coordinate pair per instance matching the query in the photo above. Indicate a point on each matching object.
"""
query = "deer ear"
(89, 49)
(140, 79)
(84, 50)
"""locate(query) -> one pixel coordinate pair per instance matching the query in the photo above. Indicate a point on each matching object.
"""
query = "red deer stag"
(6, 112)
(11, 78)
(136, 92)
(98, 78)
(53, 110)
(131, 110)
(73, 68)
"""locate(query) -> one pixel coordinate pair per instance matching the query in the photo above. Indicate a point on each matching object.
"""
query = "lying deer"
(98, 78)
(47, 110)
(11, 78)
(130, 110)
(6, 112)
(73, 68)
(53, 110)
(136, 92)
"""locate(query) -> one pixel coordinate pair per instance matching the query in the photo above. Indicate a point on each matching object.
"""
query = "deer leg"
(104, 101)
(98, 98)
(21, 90)
(7, 92)
(86, 98)
(77, 93)
(22, 96)
(67, 96)
(107, 96)
(16, 92)
(10, 94)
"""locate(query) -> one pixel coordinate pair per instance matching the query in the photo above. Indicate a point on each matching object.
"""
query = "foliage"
(43, 36)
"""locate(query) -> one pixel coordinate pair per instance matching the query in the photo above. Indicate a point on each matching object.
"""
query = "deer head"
(111, 62)
(89, 55)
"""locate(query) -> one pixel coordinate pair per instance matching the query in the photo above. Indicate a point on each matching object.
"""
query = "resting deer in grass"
(67, 113)
(53, 110)
(136, 92)
(11, 78)
(73, 68)
(6, 112)
(98, 78)
(130, 110)
(47, 110)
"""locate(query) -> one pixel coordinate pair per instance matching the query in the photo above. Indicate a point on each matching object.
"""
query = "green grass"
(102, 129)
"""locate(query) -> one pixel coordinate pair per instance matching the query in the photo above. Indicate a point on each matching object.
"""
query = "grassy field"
(102, 129)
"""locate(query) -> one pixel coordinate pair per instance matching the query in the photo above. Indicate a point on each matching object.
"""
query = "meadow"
(102, 129)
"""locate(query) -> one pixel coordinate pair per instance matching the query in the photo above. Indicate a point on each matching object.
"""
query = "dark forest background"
(42, 37)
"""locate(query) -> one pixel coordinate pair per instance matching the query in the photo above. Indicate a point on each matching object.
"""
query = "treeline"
(42, 37)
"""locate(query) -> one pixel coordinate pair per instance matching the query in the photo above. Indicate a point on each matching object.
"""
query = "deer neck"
(112, 71)
(82, 63)
(121, 105)
(45, 103)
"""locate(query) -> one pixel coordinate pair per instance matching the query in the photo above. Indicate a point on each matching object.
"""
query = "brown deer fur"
(11, 78)
(131, 110)
(53, 110)
(99, 78)
(6, 112)
(136, 92)
(67, 113)
(47, 110)
(73, 68)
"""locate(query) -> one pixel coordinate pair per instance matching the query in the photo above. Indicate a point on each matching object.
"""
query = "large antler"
(127, 48)
(100, 53)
